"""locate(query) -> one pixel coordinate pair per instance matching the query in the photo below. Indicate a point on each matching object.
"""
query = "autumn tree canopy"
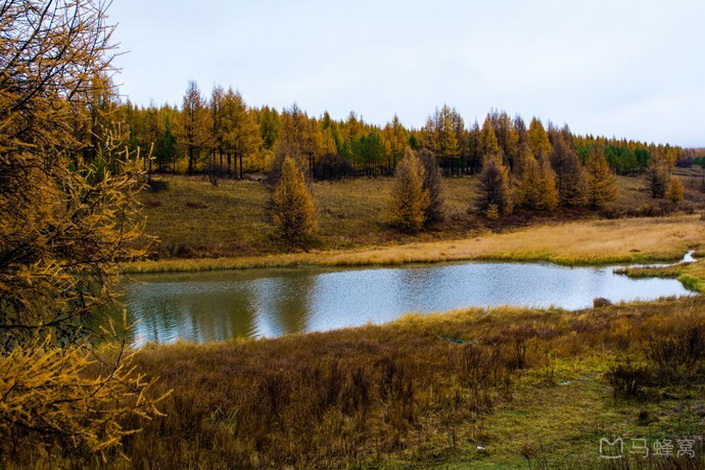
(67, 219)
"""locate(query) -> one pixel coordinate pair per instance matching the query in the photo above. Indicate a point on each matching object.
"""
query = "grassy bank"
(194, 219)
(580, 242)
(691, 275)
(498, 388)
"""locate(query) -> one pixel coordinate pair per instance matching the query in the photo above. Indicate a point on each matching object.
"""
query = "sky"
(632, 69)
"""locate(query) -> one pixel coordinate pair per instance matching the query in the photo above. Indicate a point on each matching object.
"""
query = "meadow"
(193, 219)
(478, 388)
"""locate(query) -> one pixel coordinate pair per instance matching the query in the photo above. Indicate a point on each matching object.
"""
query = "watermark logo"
(612, 449)
(618, 448)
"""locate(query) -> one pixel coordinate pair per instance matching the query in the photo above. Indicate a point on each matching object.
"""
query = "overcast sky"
(626, 68)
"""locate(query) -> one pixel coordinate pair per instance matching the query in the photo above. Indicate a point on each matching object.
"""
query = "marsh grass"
(692, 275)
(491, 388)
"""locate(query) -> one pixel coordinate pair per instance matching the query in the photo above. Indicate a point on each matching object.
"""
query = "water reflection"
(207, 307)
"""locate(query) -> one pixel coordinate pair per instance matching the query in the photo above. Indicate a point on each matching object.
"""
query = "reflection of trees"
(170, 311)
(243, 311)
(293, 302)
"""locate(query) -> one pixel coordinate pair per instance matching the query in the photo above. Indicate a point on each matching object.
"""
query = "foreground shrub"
(629, 381)
(52, 395)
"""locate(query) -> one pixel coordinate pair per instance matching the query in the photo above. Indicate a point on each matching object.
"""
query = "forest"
(221, 133)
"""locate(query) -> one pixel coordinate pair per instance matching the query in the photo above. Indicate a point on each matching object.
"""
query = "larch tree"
(526, 173)
(194, 127)
(601, 180)
(535, 182)
(396, 141)
(548, 198)
(494, 194)
(675, 192)
(66, 224)
(409, 200)
(658, 175)
(507, 136)
(241, 132)
(489, 145)
(538, 140)
(442, 135)
(293, 207)
(217, 134)
(433, 184)
(570, 174)
(293, 134)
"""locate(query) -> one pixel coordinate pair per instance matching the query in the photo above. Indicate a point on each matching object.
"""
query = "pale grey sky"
(611, 67)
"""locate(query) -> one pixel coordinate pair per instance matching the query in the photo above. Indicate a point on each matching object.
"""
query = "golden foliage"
(536, 183)
(409, 198)
(293, 209)
(68, 218)
(538, 140)
(601, 181)
(51, 393)
(674, 193)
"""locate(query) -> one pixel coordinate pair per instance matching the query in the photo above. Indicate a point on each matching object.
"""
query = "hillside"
(194, 219)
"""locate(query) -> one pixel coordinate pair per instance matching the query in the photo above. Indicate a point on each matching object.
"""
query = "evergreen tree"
(601, 181)
(369, 151)
(409, 199)
(270, 125)
(432, 183)
(494, 191)
(165, 146)
(293, 208)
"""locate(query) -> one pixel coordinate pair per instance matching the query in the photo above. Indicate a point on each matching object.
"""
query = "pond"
(216, 306)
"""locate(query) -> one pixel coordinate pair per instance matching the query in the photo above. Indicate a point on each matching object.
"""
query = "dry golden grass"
(581, 242)
(473, 388)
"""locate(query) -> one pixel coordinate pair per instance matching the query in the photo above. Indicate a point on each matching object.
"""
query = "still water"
(205, 307)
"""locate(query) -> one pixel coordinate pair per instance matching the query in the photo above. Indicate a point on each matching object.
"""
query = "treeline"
(221, 134)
